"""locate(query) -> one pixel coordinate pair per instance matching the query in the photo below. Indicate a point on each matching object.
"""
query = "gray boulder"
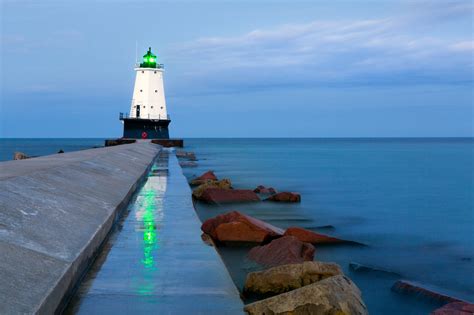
(222, 184)
(331, 296)
(20, 156)
(186, 155)
(188, 164)
(289, 277)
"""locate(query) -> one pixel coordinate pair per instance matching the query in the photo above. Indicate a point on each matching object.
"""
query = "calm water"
(37, 147)
(410, 200)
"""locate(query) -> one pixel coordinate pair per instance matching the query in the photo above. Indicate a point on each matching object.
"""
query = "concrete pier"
(156, 262)
(55, 211)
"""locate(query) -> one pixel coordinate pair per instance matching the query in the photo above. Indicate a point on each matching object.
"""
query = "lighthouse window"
(161, 107)
(156, 91)
(154, 72)
(141, 90)
(152, 107)
(143, 71)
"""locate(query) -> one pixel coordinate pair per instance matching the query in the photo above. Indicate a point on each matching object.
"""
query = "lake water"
(38, 147)
(409, 200)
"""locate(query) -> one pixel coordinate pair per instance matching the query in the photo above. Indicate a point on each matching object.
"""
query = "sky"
(241, 68)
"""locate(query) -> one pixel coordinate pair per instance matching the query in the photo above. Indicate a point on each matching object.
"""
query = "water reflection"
(150, 239)
(149, 215)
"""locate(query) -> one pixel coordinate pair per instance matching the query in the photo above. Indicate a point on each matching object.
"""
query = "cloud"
(438, 11)
(394, 50)
(463, 46)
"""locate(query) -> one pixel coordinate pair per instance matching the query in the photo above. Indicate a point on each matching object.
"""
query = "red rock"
(209, 175)
(282, 251)
(264, 190)
(237, 227)
(409, 287)
(219, 195)
(311, 237)
(285, 197)
(455, 308)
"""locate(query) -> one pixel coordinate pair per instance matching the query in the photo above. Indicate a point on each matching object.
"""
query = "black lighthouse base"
(137, 128)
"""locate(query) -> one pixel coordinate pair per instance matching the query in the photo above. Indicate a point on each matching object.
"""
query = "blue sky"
(241, 69)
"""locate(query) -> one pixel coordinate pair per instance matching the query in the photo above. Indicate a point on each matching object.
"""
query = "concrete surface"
(155, 261)
(55, 211)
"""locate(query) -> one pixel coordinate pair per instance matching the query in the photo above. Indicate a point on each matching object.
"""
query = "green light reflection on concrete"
(150, 241)
(150, 237)
(149, 216)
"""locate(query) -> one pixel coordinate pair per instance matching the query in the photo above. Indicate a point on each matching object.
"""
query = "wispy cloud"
(395, 50)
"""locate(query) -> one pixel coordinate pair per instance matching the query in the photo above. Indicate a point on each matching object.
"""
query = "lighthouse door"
(138, 111)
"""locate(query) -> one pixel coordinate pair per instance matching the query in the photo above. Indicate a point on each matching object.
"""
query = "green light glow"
(149, 60)
(150, 238)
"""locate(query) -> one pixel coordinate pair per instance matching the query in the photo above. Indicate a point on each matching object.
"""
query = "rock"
(455, 308)
(207, 239)
(336, 295)
(237, 227)
(282, 251)
(209, 175)
(114, 142)
(222, 184)
(186, 155)
(285, 197)
(325, 227)
(61, 151)
(20, 156)
(409, 287)
(188, 164)
(311, 237)
(169, 143)
(285, 278)
(364, 268)
(264, 190)
(219, 195)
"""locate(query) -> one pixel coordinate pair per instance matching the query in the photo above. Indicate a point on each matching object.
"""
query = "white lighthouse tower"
(148, 116)
(149, 93)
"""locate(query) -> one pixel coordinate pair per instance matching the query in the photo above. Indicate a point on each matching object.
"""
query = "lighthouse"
(148, 117)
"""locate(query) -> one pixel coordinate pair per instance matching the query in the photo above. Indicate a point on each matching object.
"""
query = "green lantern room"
(149, 60)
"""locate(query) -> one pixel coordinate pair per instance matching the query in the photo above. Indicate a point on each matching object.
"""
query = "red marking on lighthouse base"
(144, 135)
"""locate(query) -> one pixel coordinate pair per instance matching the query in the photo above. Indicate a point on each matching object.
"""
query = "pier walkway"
(55, 211)
(155, 262)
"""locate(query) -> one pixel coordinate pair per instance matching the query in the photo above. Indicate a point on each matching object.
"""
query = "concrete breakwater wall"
(55, 211)
(155, 261)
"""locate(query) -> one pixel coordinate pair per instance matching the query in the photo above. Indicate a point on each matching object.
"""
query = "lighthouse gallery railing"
(123, 116)
(157, 66)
